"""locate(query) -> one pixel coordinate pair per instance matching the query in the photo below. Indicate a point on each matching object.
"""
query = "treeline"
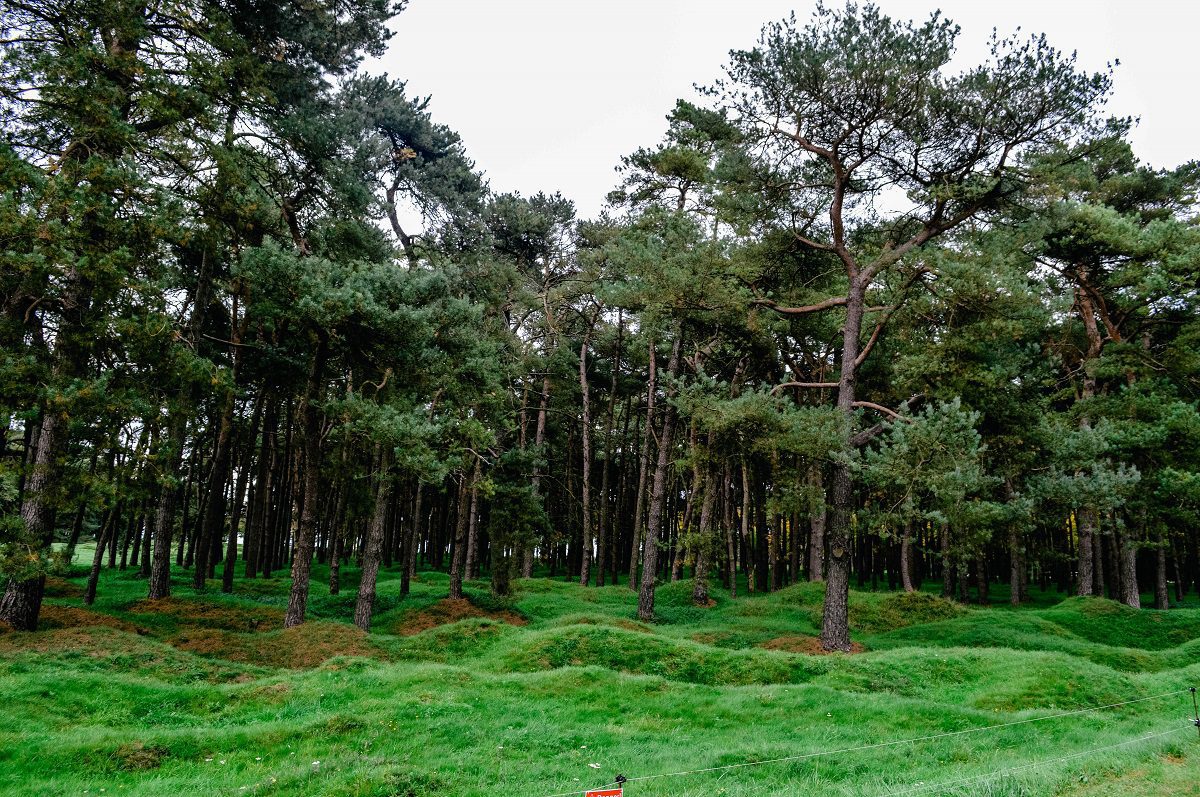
(854, 319)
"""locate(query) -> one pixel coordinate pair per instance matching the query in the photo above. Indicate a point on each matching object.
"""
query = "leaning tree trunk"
(658, 497)
(306, 533)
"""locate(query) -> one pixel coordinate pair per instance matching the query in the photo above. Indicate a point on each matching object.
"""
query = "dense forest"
(857, 318)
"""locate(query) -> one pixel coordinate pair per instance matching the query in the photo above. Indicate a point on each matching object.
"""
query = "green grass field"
(561, 689)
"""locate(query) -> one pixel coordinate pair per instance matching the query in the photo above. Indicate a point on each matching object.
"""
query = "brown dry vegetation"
(212, 615)
(808, 645)
(56, 617)
(449, 611)
(295, 648)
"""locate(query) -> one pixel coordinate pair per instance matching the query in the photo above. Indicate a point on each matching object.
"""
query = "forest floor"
(561, 689)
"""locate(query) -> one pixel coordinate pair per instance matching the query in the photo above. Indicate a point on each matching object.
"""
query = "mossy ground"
(561, 688)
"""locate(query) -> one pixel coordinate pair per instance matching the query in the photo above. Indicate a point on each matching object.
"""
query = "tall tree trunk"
(460, 532)
(730, 543)
(906, 579)
(947, 562)
(414, 540)
(306, 534)
(700, 580)
(1161, 597)
(1130, 595)
(539, 437)
(213, 523)
(239, 495)
(374, 546)
(643, 468)
(22, 601)
(658, 495)
(816, 537)
(835, 622)
(602, 531)
(1085, 520)
(585, 562)
(473, 526)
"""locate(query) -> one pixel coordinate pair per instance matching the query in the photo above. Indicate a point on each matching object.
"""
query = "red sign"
(604, 793)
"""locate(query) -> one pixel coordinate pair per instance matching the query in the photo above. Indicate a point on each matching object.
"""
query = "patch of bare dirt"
(213, 615)
(449, 611)
(808, 645)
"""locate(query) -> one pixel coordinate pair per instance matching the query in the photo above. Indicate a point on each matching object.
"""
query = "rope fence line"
(880, 745)
(1022, 767)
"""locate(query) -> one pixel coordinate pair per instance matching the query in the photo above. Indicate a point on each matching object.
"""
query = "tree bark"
(22, 601)
(585, 562)
(1085, 520)
(365, 604)
(306, 533)
(906, 557)
(835, 622)
(643, 468)
(460, 533)
(1161, 596)
(658, 497)
(704, 544)
(1130, 595)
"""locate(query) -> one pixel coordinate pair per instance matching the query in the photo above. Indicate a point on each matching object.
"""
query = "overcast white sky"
(549, 94)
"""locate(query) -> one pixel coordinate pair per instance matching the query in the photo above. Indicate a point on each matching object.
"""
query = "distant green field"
(562, 689)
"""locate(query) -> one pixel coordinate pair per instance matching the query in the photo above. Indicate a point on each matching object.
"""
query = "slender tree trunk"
(947, 563)
(371, 554)
(643, 467)
(700, 580)
(1161, 597)
(602, 531)
(730, 543)
(414, 539)
(585, 563)
(239, 495)
(107, 535)
(213, 523)
(539, 437)
(816, 537)
(658, 496)
(306, 534)
(1085, 520)
(835, 622)
(473, 526)
(460, 532)
(906, 557)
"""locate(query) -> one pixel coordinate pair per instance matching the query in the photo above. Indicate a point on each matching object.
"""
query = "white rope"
(874, 746)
